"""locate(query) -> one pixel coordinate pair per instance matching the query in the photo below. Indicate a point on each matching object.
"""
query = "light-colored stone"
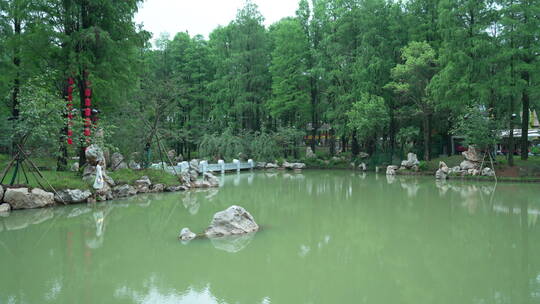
(260, 165)
(412, 160)
(391, 170)
(21, 198)
(293, 166)
(143, 184)
(211, 179)
(94, 156)
(310, 153)
(72, 196)
(176, 188)
(171, 154)
(473, 172)
(1, 193)
(363, 155)
(444, 167)
(134, 165)
(194, 165)
(271, 166)
(186, 235)
(124, 191)
(117, 162)
(75, 167)
(234, 220)
(157, 188)
(488, 172)
(472, 154)
(467, 165)
(441, 174)
(4, 208)
(362, 166)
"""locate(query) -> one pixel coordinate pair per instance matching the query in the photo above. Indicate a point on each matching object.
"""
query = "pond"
(327, 237)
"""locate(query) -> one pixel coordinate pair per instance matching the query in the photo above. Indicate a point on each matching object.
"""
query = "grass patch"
(60, 180)
(128, 176)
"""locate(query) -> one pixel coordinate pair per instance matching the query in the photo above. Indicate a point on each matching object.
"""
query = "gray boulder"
(472, 154)
(186, 235)
(134, 165)
(391, 170)
(143, 184)
(72, 196)
(124, 191)
(362, 166)
(293, 166)
(171, 154)
(211, 179)
(412, 160)
(194, 165)
(488, 172)
(94, 156)
(468, 165)
(117, 162)
(21, 198)
(1, 193)
(234, 220)
(157, 188)
(175, 188)
(74, 167)
(261, 165)
(271, 166)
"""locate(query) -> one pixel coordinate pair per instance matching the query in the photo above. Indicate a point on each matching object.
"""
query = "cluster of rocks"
(471, 165)
(286, 165)
(232, 221)
(411, 164)
(27, 198)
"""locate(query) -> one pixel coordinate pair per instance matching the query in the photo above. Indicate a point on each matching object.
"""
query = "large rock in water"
(21, 198)
(72, 196)
(186, 235)
(234, 220)
(391, 170)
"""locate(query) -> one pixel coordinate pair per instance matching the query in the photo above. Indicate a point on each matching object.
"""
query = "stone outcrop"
(234, 220)
(176, 188)
(124, 191)
(293, 166)
(271, 166)
(157, 188)
(212, 180)
(194, 165)
(488, 172)
(443, 171)
(94, 156)
(117, 162)
(391, 170)
(412, 161)
(74, 167)
(472, 154)
(72, 196)
(21, 198)
(467, 165)
(186, 235)
(134, 165)
(362, 166)
(142, 185)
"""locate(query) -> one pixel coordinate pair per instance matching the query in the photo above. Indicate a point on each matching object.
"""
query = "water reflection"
(233, 243)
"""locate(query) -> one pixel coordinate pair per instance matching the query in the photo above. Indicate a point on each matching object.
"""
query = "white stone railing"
(204, 166)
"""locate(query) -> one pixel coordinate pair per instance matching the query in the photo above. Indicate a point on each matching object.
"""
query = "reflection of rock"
(411, 187)
(191, 203)
(186, 234)
(232, 243)
(78, 211)
(390, 179)
(234, 220)
(21, 198)
(22, 219)
(71, 196)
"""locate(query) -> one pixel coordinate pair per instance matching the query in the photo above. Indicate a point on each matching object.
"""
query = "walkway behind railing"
(204, 166)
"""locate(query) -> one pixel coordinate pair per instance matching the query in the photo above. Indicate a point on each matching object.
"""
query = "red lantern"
(70, 81)
(70, 141)
(86, 132)
(87, 112)
(87, 102)
(70, 90)
(70, 133)
(87, 92)
(70, 105)
(87, 122)
(70, 97)
(70, 116)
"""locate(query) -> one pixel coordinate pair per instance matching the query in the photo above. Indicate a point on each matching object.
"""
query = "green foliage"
(477, 128)
(422, 166)
(368, 116)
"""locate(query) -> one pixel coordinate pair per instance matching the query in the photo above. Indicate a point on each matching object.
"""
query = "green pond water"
(327, 237)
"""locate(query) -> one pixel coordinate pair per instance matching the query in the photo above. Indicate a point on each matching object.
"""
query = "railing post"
(237, 163)
(250, 162)
(221, 164)
(203, 166)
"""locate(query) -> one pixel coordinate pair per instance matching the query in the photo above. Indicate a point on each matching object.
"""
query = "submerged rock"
(21, 198)
(186, 235)
(70, 196)
(234, 220)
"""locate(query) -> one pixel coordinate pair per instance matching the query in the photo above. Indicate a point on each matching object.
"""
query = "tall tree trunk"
(427, 136)
(525, 119)
(355, 147)
(511, 141)
(332, 141)
(16, 80)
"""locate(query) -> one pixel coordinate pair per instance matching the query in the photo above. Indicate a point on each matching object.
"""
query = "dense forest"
(379, 76)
